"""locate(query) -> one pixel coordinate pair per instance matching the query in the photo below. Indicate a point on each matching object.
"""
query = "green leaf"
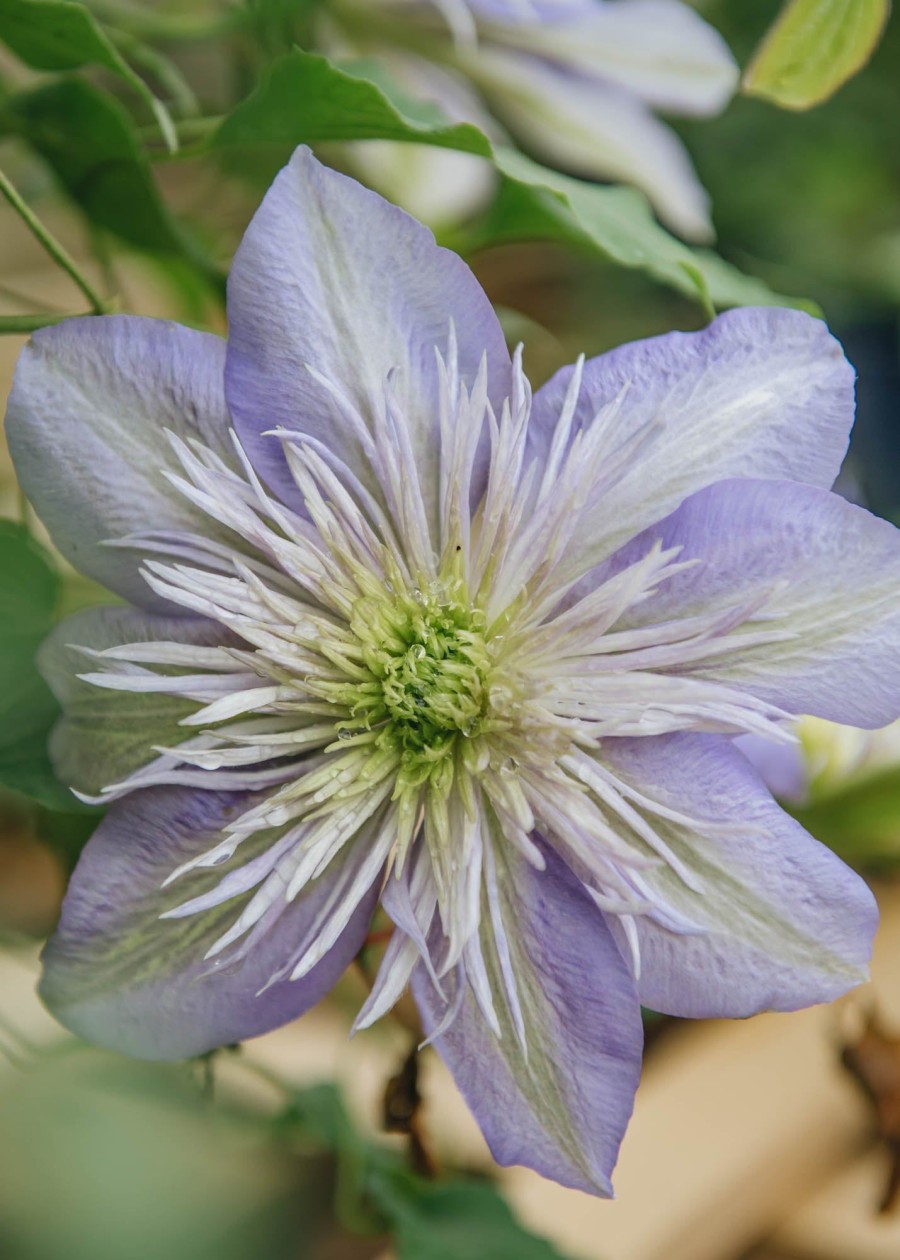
(813, 48)
(307, 99)
(319, 1114)
(88, 139)
(59, 35)
(618, 224)
(453, 1220)
(29, 591)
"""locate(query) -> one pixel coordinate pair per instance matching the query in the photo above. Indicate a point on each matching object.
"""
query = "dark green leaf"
(455, 1220)
(319, 1114)
(29, 590)
(89, 141)
(58, 35)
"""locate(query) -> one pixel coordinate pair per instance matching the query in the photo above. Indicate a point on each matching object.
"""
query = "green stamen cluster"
(427, 663)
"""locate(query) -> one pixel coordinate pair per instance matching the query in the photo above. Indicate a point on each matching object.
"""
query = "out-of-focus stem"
(53, 247)
(151, 23)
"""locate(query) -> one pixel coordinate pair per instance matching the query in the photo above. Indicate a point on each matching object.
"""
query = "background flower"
(575, 83)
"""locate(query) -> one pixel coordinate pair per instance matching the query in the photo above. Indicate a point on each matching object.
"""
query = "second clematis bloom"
(577, 83)
(398, 630)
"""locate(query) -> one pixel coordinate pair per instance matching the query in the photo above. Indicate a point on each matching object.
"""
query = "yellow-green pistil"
(427, 664)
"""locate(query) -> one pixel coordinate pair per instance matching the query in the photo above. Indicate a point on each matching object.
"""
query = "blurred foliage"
(32, 597)
(89, 141)
(810, 201)
(860, 821)
(58, 35)
(105, 1158)
(29, 597)
(453, 1219)
(96, 151)
(614, 223)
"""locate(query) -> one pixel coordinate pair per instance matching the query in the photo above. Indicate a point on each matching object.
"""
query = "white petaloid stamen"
(414, 688)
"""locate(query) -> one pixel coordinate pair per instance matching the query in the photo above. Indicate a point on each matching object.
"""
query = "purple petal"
(90, 403)
(118, 975)
(332, 277)
(104, 735)
(759, 393)
(564, 1108)
(826, 573)
(782, 922)
(782, 767)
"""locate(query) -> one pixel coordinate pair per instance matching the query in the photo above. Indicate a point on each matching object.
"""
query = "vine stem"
(53, 247)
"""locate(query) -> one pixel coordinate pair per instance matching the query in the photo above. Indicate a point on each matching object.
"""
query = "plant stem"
(31, 323)
(163, 70)
(198, 130)
(149, 23)
(53, 247)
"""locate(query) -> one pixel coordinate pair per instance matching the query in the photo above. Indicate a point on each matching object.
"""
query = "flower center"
(428, 662)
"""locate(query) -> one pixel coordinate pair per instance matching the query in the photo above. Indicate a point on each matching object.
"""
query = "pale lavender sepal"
(562, 1111)
(331, 277)
(761, 392)
(90, 403)
(105, 735)
(781, 923)
(825, 575)
(121, 977)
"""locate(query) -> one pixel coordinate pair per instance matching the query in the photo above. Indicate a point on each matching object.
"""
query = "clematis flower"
(825, 759)
(574, 81)
(398, 630)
